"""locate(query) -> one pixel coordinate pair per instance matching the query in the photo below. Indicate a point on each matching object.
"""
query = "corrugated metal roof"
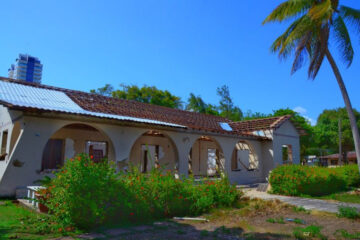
(52, 100)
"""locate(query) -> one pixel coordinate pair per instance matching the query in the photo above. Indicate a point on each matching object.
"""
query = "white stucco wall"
(286, 134)
(199, 156)
(7, 121)
(244, 176)
(75, 140)
(36, 131)
(168, 153)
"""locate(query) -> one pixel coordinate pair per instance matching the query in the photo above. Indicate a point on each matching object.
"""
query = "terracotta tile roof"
(259, 124)
(350, 155)
(197, 121)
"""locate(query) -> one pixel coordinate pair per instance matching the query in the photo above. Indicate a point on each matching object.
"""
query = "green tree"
(315, 21)
(145, 94)
(197, 104)
(327, 130)
(226, 105)
(104, 91)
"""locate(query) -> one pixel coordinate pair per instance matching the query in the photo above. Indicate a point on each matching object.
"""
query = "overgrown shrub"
(85, 194)
(295, 180)
(351, 175)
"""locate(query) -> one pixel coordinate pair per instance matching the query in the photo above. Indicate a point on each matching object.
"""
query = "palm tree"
(316, 22)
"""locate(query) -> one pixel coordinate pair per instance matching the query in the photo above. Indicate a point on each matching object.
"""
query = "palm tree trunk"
(353, 124)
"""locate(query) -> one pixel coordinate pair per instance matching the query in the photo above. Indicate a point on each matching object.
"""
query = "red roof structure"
(191, 120)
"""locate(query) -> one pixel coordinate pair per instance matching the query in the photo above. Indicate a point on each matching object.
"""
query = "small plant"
(348, 212)
(276, 220)
(309, 232)
(346, 235)
(300, 209)
(298, 221)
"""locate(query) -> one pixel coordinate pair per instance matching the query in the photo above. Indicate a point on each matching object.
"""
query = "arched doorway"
(206, 158)
(154, 149)
(74, 139)
(244, 157)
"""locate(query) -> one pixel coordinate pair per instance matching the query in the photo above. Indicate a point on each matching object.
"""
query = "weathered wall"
(10, 121)
(79, 138)
(35, 133)
(168, 158)
(286, 134)
(244, 176)
(199, 156)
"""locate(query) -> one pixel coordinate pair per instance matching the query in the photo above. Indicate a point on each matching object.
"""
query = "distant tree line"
(323, 138)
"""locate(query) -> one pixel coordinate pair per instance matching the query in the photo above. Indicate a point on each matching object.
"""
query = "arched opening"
(154, 149)
(206, 158)
(74, 139)
(244, 157)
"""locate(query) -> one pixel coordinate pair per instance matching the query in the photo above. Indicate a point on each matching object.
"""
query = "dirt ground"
(249, 221)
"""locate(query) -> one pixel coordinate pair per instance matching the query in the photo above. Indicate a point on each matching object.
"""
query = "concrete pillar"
(183, 143)
(123, 139)
(227, 146)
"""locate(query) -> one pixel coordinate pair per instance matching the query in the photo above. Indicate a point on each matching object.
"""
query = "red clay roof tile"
(192, 120)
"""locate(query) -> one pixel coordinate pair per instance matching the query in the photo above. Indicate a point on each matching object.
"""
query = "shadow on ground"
(173, 230)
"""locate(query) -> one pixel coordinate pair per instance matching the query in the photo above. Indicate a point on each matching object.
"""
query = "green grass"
(348, 212)
(21, 223)
(298, 221)
(344, 197)
(341, 197)
(345, 235)
(300, 209)
(309, 232)
(278, 220)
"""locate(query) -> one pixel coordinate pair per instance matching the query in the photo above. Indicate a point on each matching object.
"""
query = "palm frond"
(300, 52)
(286, 43)
(288, 9)
(316, 61)
(321, 12)
(304, 26)
(343, 40)
(318, 50)
(351, 16)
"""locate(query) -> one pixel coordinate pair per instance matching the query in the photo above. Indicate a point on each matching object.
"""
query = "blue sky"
(182, 46)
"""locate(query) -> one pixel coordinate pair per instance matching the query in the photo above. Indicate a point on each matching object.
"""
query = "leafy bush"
(348, 212)
(309, 232)
(296, 180)
(85, 194)
(351, 175)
